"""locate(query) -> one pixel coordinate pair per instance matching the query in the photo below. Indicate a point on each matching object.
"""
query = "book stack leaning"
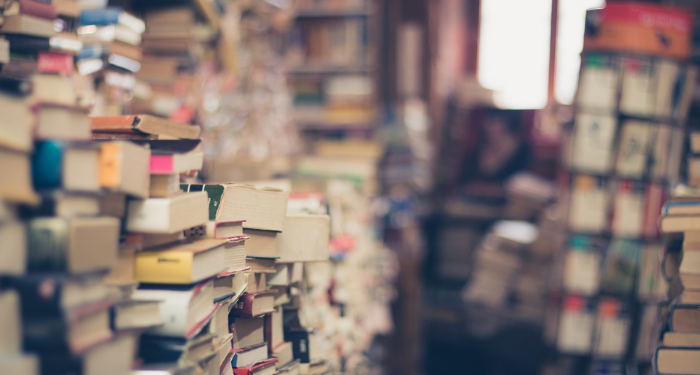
(679, 350)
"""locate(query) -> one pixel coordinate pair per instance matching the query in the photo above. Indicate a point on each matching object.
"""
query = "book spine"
(244, 305)
(101, 17)
(92, 51)
(15, 86)
(47, 244)
(53, 62)
(37, 9)
(215, 193)
(27, 43)
(162, 163)
(46, 164)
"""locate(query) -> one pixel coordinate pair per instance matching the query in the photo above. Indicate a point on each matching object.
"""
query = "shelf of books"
(622, 157)
(330, 67)
(115, 256)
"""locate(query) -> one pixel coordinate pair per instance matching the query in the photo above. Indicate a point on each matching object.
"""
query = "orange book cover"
(113, 123)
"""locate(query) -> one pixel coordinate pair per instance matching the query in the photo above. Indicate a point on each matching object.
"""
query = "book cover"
(255, 368)
(36, 9)
(244, 306)
(177, 264)
(54, 62)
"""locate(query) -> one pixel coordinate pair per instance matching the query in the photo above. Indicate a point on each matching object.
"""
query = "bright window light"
(514, 51)
(572, 16)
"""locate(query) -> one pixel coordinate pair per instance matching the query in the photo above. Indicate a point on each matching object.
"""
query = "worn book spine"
(244, 305)
(54, 62)
(37, 9)
(47, 244)
(27, 43)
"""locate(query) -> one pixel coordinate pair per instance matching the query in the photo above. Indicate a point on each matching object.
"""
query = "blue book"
(72, 166)
(111, 16)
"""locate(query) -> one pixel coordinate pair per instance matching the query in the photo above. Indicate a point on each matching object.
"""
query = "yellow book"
(186, 262)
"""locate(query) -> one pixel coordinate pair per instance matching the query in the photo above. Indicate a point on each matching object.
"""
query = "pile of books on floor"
(678, 353)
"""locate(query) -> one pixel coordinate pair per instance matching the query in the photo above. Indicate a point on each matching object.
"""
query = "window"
(514, 51)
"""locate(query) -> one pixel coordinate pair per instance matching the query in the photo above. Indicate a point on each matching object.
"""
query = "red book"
(254, 304)
(37, 9)
(54, 62)
(258, 368)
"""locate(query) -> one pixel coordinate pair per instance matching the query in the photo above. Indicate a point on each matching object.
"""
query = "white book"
(598, 86)
(10, 324)
(124, 168)
(184, 312)
(593, 144)
(575, 333)
(638, 92)
(632, 149)
(13, 251)
(588, 209)
(168, 215)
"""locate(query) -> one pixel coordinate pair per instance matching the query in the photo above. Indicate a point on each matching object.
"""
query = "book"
(685, 207)
(229, 285)
(184, 311)
(292, 368)
(74, 333)
(16, 133)
(122, 275)
(674, 224)
(103, 51)
(282, 275)
(284, 353)
(167, 215)
(274, 328)
(164, 185)
(54, 62)
(114, 356)
(67, 292)
(684, 318)
(588, 210)
(176, 162)
(260, 265)
(112, 16)
(681, 339)
(45, 87)
(105, 34)
(254, 304)
(13, 253)
(304, 239)
(598, 84)
(262, 243)
(257, 282)
(593, 150)
(304, 344)
(638, 89)
(76, 245)
(249, 356)
(26, 24)
(689, 270)
(263, 209)
(60, 122)
(146, 241)
(612, 329)
(247, 332)
(182, 263)
(235, 254)
(628, 210)
(16, 186)
(677, 361)
(262, 368)
(632, 149)
(576, 324)
(144, 124)
(582, 263)
(66, 165)
(196, 350)
(113, 204)
(31, 8)
(232, 230)
(136, 314)
(620, 264)
(10, 323)
(124, 167)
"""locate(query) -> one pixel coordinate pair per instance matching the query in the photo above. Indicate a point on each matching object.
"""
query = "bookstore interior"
(349, 187)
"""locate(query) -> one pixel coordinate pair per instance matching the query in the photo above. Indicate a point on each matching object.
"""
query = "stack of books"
(38, 37)
(111, 54)
(678, 350)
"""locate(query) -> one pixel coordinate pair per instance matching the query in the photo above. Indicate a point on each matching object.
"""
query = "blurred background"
(512, 155)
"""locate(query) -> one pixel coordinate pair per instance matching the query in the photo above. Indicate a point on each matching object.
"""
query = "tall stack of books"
(677, 351)
(38, 37)
(111, 54)
(622, 154)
